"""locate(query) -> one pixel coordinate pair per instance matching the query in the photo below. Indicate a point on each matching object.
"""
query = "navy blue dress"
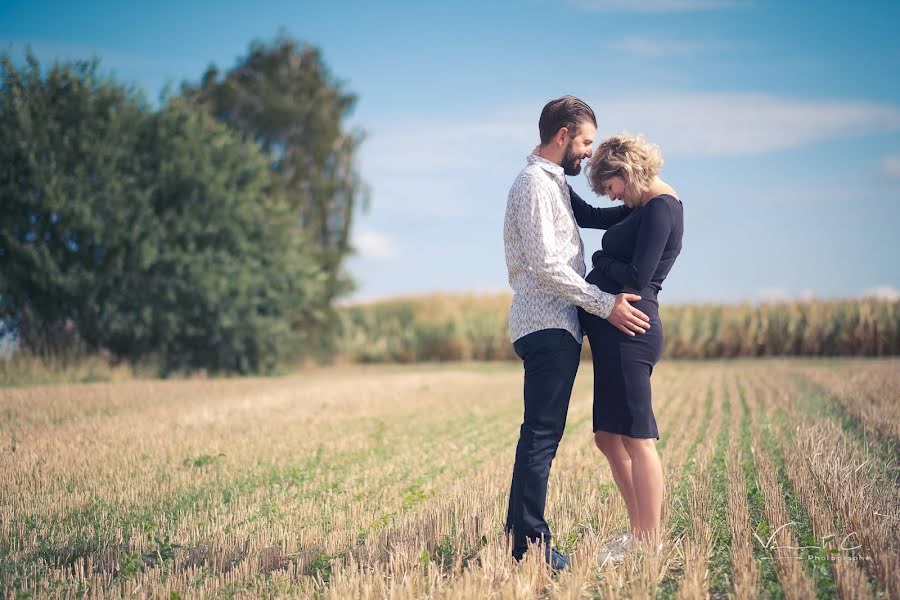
(639, 248)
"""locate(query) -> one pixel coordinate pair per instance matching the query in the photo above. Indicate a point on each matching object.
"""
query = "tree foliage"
(151, 234)
(68, 178)
(282, 96)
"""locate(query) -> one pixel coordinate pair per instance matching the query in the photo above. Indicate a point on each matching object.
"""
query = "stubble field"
(782, 481)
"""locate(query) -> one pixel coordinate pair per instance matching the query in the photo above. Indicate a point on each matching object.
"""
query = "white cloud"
(890, 167)
(883, 292)
(655, 5)
(682, 123)
(374, 245)
(774, 295)
(469, 160)
(730, 124)
(648, 47)
(452, 144)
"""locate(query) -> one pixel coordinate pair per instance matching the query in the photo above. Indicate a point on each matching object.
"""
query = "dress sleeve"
(652, 236)
(534, 219)
(591, 217)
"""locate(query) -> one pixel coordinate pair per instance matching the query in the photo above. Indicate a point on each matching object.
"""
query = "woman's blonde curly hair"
(630, 157)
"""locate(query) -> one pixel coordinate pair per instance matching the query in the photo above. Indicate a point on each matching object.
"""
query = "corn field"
(474, 327)
(392, 482)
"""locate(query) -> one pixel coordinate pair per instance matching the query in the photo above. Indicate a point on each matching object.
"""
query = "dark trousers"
(550, 358)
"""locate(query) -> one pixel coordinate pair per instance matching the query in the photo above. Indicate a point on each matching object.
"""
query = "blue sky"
(779, 121)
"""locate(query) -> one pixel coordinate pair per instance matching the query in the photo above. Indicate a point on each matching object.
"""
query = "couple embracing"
(554, 306)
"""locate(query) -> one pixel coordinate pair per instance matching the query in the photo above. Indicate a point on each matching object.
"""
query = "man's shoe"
(556, 559)
(553, 557)
(615, 551)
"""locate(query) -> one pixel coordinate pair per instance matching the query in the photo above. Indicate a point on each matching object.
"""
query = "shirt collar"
(551, 167)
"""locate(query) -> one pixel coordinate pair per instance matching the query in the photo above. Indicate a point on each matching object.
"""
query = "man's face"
(579, 148)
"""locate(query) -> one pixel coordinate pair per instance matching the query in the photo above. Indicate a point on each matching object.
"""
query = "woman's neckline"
(664, 194)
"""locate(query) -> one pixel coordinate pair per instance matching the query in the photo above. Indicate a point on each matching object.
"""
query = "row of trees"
(208, 233)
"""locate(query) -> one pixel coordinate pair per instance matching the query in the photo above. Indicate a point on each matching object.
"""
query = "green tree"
(153, 235)
(221, 273)
(282, 96)
(68, 180)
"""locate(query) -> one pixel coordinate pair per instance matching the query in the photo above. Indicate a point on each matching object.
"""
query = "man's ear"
(562, 136)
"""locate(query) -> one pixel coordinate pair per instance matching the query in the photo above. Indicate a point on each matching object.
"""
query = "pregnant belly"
(603, 282)
(648, 299)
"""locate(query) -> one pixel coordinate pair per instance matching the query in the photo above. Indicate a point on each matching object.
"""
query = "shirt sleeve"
(534, 221)
(591, 217)
(652, 236)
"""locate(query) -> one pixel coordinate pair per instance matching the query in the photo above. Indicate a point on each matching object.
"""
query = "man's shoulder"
(532, 178)
(536, 172)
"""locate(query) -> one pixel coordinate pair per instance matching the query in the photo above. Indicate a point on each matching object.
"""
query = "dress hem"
(637, 437)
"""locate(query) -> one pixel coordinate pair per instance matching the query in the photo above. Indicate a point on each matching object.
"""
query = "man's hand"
(626, 317)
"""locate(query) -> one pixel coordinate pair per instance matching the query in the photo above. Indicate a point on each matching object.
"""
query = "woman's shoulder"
(668, 199)
(662, 204)
(666, 204)
(663, 210)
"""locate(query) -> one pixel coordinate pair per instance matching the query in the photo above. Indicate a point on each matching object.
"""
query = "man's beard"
(571, 163)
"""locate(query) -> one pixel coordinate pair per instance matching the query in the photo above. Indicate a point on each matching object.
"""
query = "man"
(545, 260)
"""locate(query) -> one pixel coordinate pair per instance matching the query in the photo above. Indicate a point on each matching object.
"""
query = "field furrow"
(390, 482)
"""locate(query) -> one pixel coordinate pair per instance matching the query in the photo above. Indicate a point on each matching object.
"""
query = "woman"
(639, 248)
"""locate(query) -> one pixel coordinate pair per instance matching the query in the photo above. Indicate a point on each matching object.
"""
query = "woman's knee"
(638, 446)
(608, 443)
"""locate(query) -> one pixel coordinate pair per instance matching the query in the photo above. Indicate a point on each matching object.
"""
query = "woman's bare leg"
(620, 463)
(647, 478)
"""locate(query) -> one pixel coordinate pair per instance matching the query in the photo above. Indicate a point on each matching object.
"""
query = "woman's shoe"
(615, 551)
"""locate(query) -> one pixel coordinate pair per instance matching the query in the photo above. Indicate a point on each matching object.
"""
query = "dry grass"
(745, 575)
(849, 575)
(21, 368)
(781, 541)
(869, 395)
(698, 544)
(474, 326)
(392, 483)
(852, 477)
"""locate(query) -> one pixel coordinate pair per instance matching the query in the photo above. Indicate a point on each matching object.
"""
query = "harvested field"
(386, 481)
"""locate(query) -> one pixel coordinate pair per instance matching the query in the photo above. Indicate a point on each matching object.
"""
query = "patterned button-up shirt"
(545, 255)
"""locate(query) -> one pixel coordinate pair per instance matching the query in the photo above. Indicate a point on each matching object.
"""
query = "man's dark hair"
(569, 112)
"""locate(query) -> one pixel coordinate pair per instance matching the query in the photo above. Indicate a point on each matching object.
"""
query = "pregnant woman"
(638, 251)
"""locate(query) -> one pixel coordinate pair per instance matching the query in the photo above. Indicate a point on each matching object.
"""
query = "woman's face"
(614, 189)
